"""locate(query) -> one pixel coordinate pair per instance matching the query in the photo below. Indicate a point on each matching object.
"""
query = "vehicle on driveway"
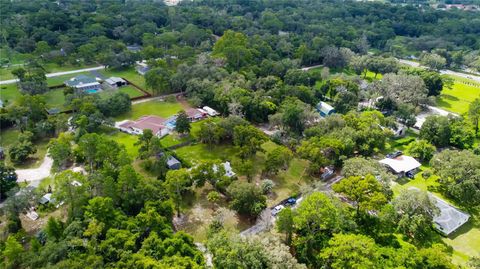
(277, 209)
(290, 201)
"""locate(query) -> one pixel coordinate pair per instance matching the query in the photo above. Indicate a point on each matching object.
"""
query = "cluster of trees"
(443, 131)
(116, 217)
(322, 231)
(336, 138)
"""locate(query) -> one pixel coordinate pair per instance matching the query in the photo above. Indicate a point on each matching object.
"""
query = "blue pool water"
(91, 91)
(171, 124)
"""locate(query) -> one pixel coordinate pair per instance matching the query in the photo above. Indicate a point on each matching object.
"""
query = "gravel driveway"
(35, 174)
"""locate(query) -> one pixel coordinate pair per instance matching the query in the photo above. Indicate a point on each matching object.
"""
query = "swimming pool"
(90, 91)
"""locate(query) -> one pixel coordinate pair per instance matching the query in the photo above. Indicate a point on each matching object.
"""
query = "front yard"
(155, 107)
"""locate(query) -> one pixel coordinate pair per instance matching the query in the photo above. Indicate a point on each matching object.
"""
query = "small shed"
(228, 169)
(47, 198)
(2, 153)
(325, 109)
(173, 163)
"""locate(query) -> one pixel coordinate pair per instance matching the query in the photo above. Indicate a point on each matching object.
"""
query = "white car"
(277, 209)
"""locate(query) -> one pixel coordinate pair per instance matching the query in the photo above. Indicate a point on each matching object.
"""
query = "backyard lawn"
(155, 107)
(127, 140)
(130, 90)
(458, 99)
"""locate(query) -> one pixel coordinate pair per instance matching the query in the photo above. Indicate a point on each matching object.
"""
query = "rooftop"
(450, 218)
(113, 80)
(153, 123)
(401, 164)
(81, 80)
(325, 108)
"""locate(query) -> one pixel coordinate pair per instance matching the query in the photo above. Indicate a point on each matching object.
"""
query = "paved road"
(56, 74)
(444, 71)
(35, 174)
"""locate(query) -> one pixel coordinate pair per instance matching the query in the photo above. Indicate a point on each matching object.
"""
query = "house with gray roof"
(84, 83)
(450, 217)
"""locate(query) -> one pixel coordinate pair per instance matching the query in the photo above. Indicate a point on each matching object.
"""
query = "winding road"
(56, 74)
(475, 77)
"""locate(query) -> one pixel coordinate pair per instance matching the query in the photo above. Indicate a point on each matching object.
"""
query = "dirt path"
(35, 174)
(56, 74)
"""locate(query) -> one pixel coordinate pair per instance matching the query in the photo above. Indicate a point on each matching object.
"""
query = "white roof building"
(401, 164)
(210, 111)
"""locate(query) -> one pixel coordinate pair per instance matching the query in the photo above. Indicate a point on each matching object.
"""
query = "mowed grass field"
(155, 107)
(10, 135)
(458, 98)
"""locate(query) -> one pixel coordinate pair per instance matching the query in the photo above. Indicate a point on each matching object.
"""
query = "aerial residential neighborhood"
(240, 134)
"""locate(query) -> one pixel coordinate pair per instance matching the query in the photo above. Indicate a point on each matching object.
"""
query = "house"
(450, 218)
(115, 82)
(228, 169)
(325, 109)
(84, 83)
(47, 198)
(195, 114)
(402, 165)
(210, 111)
(142, 68)
(154, 123)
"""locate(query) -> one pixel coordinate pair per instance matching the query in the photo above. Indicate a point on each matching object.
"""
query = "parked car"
(410, 174)
(290, 201)
(394, 154)
(277, 209)
(327, 173)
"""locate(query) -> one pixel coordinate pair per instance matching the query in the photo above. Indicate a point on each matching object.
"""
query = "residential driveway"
(35, 174)
(10, 81)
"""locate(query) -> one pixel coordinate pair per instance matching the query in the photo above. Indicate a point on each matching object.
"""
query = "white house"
(401, 165)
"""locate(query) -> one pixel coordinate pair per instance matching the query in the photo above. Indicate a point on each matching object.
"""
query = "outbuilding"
(325, 109)
(115, 82)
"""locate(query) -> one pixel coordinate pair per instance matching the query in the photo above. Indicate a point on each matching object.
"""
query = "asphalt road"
(56, 74)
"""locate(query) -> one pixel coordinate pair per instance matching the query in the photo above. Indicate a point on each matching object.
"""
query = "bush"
(267, 186)
(427, 174)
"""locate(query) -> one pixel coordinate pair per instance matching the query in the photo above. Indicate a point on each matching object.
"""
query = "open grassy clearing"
(6, 72)
(458, 98)
(10, 135)
(155, 107)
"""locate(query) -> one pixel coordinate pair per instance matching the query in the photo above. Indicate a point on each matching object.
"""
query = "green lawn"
(458, 99)
(130, 90)
(155, 107)
(9, 93)
(55, 98)
(200, 152)
(127, 140)
(6, 72)
(10, 135)
(129, 74)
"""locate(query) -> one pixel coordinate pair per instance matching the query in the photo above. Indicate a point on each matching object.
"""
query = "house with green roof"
(84, 83)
